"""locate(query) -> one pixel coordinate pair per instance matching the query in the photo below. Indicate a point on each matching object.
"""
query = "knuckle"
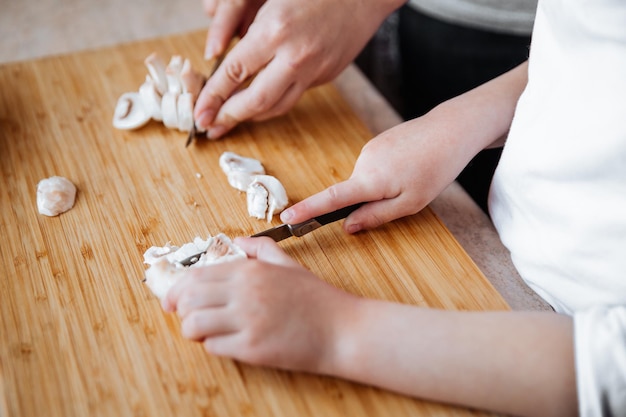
(183, 304)
(304, 56)
(333, 193)
(208, 8)
(375, 220)
(192, 326)
(251, 348)
(236, 72)
(213, 346)
(280, 27)
(246, 270)
(259, 102)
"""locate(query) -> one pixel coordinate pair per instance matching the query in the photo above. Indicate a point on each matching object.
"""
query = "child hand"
(266, 310)
(399, 172)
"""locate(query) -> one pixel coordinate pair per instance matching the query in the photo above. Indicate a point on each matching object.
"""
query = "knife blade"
(193, 133)
(285, 231)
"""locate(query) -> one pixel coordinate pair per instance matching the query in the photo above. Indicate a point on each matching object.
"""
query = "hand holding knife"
(284, 231)
(194, 130)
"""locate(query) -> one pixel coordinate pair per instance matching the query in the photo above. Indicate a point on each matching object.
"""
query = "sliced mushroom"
(265, 197)
(156, 68)
(165, 267)
(191, 80)
(168, 95)
(130, 113)
(169, 110)
(240, 169)
(172, 73)
(151, 98)
(184, 107)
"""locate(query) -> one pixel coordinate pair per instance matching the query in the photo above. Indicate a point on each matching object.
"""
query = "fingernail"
(204, 120)
(353, 228)
(216, 131)
(286, 215)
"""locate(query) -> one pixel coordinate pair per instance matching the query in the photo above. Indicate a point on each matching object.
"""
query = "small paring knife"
(284, 231)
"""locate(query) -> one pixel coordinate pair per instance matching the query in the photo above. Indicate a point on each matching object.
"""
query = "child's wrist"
(343, 347)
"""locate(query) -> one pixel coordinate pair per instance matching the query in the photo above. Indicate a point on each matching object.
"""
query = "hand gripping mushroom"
(165, 267)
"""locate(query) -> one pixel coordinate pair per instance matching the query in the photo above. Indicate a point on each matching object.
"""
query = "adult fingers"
(209, 7)
(273, 90)
(241, 63)
(227, 18)
(284, 104)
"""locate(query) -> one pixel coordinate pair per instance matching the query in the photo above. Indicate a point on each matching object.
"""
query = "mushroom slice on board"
(172, 73)
(169, 104)
(157, 70)
(151, 98)
(240, 169)
(130, 112)
(265, 197)
(191, 80)
(184, 107)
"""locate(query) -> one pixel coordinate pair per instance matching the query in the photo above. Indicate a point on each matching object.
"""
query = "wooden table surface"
(82, 335)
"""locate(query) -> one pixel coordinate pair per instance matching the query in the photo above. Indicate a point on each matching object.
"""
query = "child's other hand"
(267, 310)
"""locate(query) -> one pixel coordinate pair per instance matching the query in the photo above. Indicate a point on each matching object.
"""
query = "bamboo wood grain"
(81, 335)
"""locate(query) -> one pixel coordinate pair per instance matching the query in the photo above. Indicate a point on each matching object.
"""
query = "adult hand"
(289, 46)
(228, 18)
(266, 310)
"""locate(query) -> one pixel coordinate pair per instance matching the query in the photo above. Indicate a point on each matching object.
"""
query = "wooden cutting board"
(81, 335)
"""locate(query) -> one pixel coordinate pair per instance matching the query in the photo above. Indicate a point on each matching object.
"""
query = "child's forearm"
(481, 118)
(514, 362)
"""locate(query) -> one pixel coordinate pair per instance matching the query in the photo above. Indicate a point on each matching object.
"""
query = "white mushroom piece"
(172, 73)
(165, 267)
(168, 94)
(192, 81)
(240, 169)
(151, 98)
(266, 196)
(55, 195)
(156, 68)
(130, 112)
(184, 112)
(169, 110)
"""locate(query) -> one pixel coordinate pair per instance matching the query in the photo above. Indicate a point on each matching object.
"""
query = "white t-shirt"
(513, 17)
(558, 197)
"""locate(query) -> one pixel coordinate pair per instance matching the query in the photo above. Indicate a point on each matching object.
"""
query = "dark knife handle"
(333, 216)
(301, 229)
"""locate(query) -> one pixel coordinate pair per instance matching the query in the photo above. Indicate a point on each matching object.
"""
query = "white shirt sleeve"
(600, 340)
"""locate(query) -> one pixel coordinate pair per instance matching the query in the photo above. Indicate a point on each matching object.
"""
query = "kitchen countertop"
(32, 29)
